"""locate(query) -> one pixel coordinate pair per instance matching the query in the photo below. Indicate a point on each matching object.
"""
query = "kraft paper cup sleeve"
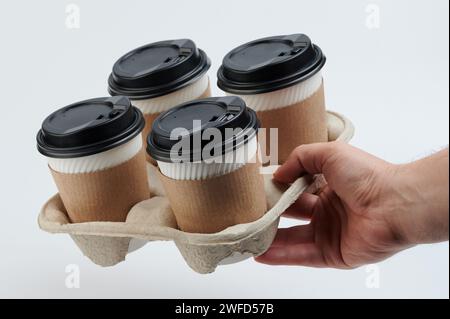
(105, 195)
(107, 243)
(201, 206)
(302, 123)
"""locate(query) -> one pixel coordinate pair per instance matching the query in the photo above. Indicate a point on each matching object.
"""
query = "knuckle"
(300, 148)
(337, 145)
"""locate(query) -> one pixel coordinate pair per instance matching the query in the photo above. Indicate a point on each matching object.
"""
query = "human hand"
(369, 210)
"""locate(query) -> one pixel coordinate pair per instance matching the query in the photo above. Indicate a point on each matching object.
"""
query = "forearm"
(422, 213)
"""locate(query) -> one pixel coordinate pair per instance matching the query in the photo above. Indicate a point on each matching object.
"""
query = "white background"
(392, 81)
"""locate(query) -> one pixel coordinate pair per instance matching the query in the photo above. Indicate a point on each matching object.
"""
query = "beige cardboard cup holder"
(108, 243)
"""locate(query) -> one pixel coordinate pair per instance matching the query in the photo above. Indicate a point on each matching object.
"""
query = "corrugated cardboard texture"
(153, 219)
(150, 118)
(211, 205)
(106, 195)
(297, 124)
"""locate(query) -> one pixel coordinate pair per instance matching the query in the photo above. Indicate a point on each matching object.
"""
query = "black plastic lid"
(269, 64)
(222, 113)
(89, 127)
(157, 69)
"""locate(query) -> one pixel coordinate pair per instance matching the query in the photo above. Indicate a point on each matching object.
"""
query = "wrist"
(405, 211)
(418, 215)
(397, 204)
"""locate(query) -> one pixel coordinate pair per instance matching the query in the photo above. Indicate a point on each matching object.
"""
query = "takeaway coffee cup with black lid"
(280, 78)
(94, 152)
(160, 75)
(207, 154)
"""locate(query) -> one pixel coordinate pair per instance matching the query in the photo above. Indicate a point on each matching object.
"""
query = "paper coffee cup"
(280, 78)
(161, 75)
(94, 152)
(207, 155)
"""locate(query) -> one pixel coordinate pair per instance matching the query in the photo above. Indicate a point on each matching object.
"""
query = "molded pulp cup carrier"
(107, 244)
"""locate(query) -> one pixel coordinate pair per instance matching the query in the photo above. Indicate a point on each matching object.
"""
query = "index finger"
(305, 159)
